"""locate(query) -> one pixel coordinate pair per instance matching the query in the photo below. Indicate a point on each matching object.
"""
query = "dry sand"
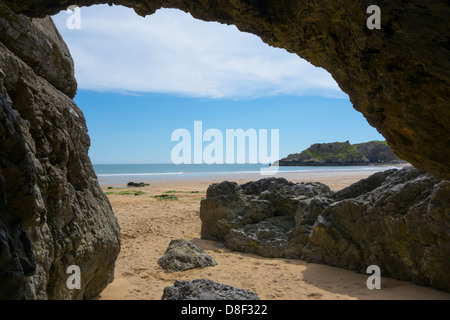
(148, 225)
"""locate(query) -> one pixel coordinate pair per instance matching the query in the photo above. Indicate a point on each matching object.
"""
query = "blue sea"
(124, 173)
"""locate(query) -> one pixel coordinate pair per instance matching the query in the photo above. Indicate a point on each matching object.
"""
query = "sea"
(123, 173)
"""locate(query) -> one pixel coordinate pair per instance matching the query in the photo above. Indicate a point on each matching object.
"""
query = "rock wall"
(378, 152)
(53, 213)
(397, 219)
(397, 77)
(402, 225)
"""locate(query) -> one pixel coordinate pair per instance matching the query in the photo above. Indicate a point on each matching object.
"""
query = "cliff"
(342, 154)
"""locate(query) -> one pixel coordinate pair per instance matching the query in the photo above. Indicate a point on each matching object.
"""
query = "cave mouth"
(397, 85)
(187, 62)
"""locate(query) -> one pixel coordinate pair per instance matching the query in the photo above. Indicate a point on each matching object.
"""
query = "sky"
(139, 79)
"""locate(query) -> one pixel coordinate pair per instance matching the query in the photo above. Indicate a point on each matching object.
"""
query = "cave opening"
(184, 72)
(65, 209)
(138, 77)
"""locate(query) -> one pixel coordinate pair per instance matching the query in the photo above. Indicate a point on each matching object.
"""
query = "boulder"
(396, 219)
(137, 184)
(204, 289)
(402, 226)
(182, 255)
(258, 217)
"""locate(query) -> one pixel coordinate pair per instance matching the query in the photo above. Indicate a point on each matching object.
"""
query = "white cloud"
(171, 52)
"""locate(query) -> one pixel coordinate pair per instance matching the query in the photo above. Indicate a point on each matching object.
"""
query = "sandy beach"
(148, 225)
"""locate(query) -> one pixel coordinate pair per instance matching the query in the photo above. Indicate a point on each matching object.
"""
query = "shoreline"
(214, 177)
(148, 226)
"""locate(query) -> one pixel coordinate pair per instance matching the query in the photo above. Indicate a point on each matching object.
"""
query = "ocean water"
(124, 173)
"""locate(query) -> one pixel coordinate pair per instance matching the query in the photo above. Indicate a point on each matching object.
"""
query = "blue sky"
(141, 79)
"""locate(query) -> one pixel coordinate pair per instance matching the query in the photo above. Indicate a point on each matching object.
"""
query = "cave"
(397, 77)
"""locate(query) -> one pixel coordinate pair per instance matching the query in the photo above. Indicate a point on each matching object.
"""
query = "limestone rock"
(204, 289)
(396, 219)
(378, 152)
(19, 201)
(258, 217)
(310, 209)
(53, 213)
(40, 46)
(182, 255)
(401, 226)
(367, 185)
(268, 238)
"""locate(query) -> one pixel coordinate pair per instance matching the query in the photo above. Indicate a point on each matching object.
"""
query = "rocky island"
(342, 154)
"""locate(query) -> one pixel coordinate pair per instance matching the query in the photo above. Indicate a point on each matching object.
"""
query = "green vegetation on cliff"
(338, 151)
(342, 154)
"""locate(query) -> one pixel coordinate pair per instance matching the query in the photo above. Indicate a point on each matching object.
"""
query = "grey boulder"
(184, 255)
(205, 289)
